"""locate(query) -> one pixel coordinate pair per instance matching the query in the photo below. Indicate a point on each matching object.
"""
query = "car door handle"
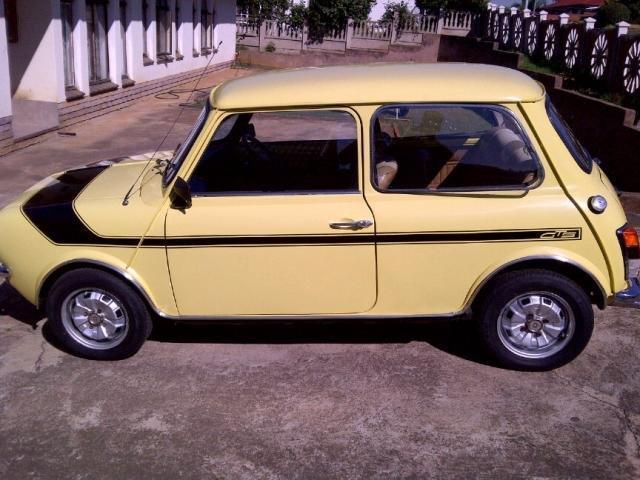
(351, 225)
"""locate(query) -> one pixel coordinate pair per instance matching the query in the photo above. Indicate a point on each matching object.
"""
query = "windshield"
(579, 153)
(185, 146)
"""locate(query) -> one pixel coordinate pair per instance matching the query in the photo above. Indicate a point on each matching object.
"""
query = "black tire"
(128, 305)
(560, 289)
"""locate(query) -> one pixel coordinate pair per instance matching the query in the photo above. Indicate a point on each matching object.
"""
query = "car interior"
(238, 160)
(433, 149)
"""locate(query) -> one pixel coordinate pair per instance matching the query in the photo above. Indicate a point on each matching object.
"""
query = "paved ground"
(348, 400)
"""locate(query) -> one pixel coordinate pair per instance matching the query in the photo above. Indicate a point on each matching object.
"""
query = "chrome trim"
(5, 272)
(351, 225)
(630, 297)
(463, 312)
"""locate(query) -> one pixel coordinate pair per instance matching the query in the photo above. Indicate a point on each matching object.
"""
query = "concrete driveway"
(303, 400)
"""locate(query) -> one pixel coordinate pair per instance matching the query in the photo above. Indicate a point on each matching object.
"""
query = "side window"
(289, 152)
(450, 147)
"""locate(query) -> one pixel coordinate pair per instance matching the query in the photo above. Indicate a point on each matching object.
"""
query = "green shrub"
(330, 15)
(270, 47)
(611, 13)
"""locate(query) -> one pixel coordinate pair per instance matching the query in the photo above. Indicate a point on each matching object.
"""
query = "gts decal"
(562, 234)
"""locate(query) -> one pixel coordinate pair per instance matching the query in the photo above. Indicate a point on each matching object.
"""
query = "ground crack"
(629, 425)
(38, 364)
(592, 395)
(631, 437)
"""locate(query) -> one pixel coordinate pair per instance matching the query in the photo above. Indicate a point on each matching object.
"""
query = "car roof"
(378, 83)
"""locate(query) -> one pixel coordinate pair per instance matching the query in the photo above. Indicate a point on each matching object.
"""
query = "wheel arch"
(561, 265)
(52, 276)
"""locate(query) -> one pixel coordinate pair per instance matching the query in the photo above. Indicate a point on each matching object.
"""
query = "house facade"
(53, 52)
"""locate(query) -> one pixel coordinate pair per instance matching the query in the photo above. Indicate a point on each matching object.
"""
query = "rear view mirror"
(180, 194)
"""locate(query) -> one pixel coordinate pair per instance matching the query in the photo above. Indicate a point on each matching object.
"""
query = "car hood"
(85, 205)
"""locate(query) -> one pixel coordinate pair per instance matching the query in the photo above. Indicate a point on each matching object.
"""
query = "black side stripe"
(386, 238)
(51, 211)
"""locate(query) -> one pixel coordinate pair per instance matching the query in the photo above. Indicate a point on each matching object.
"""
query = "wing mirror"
(180, 194)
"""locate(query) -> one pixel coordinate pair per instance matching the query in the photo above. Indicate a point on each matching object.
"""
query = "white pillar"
(135, 33)
(57, 50)
(114, 42)
(80, 46)
(543, 15)
(589, 23)
(564, 18)
(187, 32)
(225, 30)
(623, 28)
(501, 9)
(514, 11)
(526, 13)
(196, 27)
(5, 82)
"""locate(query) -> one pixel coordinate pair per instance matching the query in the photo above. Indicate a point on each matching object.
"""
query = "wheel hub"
(536, 325)
(95, 318)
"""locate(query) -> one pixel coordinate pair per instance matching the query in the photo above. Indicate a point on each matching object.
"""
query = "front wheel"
(535, 320)
(96, 315)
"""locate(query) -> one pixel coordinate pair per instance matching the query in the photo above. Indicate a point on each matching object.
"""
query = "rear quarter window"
(578, 152)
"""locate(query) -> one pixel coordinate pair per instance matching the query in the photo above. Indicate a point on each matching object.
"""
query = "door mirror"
(180, 195)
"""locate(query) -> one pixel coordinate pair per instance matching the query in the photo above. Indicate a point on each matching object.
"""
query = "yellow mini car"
(371, 191)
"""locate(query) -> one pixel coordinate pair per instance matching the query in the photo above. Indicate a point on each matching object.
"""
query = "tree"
(634, 9)
(611, 13)
(330, 15)
(298, 13)
(400, 8)
(433, 6)
(264, 9)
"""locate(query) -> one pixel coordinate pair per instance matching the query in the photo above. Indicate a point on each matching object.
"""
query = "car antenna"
(125, 200)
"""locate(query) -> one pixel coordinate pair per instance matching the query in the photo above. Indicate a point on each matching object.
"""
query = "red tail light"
(629, 241)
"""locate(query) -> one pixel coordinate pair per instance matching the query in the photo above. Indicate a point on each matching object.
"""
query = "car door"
(278, 223)
(459, 191)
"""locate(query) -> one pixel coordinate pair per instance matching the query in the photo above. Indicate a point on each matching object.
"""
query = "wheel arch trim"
(62, 268)
(601, 301)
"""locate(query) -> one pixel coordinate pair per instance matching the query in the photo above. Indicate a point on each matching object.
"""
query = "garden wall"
(428, 53)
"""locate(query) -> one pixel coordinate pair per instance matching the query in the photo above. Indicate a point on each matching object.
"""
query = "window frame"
(540, 173)
(206, 28)
(164, 32)
(93, 41)
(68, 46)
(358, 189)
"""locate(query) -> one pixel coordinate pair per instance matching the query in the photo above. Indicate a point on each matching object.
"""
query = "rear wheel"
(535, 319)
(96, 315)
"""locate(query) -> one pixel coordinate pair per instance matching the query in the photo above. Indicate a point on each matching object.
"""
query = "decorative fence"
(364, 35)
(608, 57)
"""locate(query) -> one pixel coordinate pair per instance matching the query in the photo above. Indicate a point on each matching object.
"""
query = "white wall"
(224, 30)
(33, 68)
(5, 81)
(36, 62)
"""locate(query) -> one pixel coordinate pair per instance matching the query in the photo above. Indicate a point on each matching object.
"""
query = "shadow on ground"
(16, 306)
(454, 336)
